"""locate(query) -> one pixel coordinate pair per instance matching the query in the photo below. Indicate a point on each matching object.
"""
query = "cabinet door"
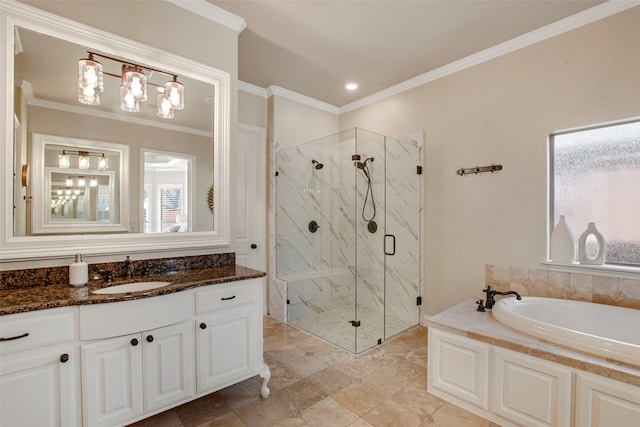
(459, 367)
(168, 365)
(602, 402)
(530, 391)
(228, 346)
(112, 380)
(39, 388)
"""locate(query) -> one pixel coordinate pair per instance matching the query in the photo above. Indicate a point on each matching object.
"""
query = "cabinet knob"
(203, 325)
(254, 246)
(134, 342)
(149, 338)
(64, 358)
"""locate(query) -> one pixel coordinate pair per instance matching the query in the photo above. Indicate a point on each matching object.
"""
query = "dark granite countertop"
(23, 299)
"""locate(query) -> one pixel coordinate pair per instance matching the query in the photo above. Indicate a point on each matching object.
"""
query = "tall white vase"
(562, 247)
(582, 245)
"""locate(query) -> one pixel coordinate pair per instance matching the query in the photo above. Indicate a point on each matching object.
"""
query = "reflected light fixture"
(103, 163)
(83, 160)
(134, 81)
(59, 192)
(69, 182)
(93, 182)
(81, 181)
(63, 160)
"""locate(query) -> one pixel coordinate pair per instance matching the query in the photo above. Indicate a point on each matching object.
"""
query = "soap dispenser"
(78, 272)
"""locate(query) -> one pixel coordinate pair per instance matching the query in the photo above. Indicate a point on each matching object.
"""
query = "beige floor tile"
(360, 423)
(390, 414)
(358, 398)
(384, 382)
(449, 415)
(240, 394)
(263, 413)
(292, 422)
(306, 365)
(328, 413)
(417, 399)
(300, 395)
(165, 419)
(281, 376)
(330, 380)
(227, 420)
(287, 353)
(202, 410)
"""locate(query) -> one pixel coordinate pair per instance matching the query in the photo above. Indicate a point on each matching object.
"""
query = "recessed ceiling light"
(351, 86)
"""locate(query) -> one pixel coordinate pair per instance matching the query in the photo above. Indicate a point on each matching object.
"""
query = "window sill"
(620, 271)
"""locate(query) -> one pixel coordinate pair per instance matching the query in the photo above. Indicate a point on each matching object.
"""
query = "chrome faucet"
(491, 294)
(128, 272)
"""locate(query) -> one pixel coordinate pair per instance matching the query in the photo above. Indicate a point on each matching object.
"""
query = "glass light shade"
(83, 160)
(63, 160)
(67, 192)
(60, 197)
(137, 83)
(103, 163)
(174, 91)
(69, 182)
(67, 197)
(81, 181)
(77, 192)
(93, 182)
(90, 81)
(128, 101)
(164, 107)
(73, 197)
(59, 191)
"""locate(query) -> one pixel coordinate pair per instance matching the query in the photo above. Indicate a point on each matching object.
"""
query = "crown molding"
(572, 22)
(253, 89)
(303, 99)
(212, 13)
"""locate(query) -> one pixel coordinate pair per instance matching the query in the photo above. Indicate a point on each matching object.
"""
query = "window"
(595, 177)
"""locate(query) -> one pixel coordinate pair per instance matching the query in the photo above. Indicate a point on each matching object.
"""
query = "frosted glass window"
(595, 177)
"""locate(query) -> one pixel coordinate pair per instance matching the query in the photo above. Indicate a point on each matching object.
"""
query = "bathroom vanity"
(113, 359)
(514, 379)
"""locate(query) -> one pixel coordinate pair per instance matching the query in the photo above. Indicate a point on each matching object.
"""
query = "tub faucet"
(491, 294)
(128, 272)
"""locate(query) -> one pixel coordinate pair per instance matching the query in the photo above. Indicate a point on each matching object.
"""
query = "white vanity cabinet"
(228, 334)
(39, 369)
(127, 376)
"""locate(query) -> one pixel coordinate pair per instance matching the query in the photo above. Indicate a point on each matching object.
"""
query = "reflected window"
(166, 204)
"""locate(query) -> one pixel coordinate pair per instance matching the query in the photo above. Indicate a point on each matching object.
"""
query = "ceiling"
(315, 47)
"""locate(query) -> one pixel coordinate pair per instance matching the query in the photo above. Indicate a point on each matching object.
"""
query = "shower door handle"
(393, 251)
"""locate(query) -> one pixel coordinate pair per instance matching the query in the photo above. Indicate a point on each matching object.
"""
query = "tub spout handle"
(491, 294)
(480, 305)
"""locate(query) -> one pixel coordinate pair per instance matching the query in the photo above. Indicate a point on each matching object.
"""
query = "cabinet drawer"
(222, 297)
(24, 331)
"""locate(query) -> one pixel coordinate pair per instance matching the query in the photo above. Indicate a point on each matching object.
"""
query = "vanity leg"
(265, 374)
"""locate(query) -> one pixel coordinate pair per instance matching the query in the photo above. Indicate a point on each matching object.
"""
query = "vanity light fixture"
(93, 182)
(63, 160)
(69, 182)
(81, 181)
(83, 160)
(90, 81)
(133, 88)
(59, 192)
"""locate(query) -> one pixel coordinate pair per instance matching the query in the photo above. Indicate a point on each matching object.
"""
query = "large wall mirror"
(151, 192)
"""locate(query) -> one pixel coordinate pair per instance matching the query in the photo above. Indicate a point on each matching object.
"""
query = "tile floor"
(314, 383)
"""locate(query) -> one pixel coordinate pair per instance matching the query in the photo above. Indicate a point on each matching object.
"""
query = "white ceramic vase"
(562, 247)
(583, 256)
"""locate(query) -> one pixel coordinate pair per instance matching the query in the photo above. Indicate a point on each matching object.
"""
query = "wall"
(252, 109)
(501, 112)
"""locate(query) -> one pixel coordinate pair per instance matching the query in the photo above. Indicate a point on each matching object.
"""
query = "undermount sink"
(131, 287)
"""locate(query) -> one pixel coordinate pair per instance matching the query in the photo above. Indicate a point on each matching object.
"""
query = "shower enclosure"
(348, 236)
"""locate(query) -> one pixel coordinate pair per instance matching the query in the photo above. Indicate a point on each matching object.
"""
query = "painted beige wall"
(501, 112)
(294, 123)
(252, 109)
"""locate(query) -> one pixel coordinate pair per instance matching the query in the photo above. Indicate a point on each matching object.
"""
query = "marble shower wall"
(321, 268)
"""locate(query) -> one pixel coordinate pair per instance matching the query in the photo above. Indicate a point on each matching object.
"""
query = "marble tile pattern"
(465, 320)
(20, 299)
(315, 383)
(555, 284)
(343, 260)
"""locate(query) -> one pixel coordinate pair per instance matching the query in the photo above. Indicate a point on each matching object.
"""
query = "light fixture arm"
(133, 64)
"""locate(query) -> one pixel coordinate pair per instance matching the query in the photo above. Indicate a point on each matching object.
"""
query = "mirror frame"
(12, 15)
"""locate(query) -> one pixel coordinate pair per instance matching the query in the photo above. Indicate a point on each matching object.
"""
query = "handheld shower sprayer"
(317, 164)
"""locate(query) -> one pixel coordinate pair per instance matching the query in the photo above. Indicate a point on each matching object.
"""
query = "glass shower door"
(402, 236)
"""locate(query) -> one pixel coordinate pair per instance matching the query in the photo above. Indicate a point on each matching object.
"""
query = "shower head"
(317, 164)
